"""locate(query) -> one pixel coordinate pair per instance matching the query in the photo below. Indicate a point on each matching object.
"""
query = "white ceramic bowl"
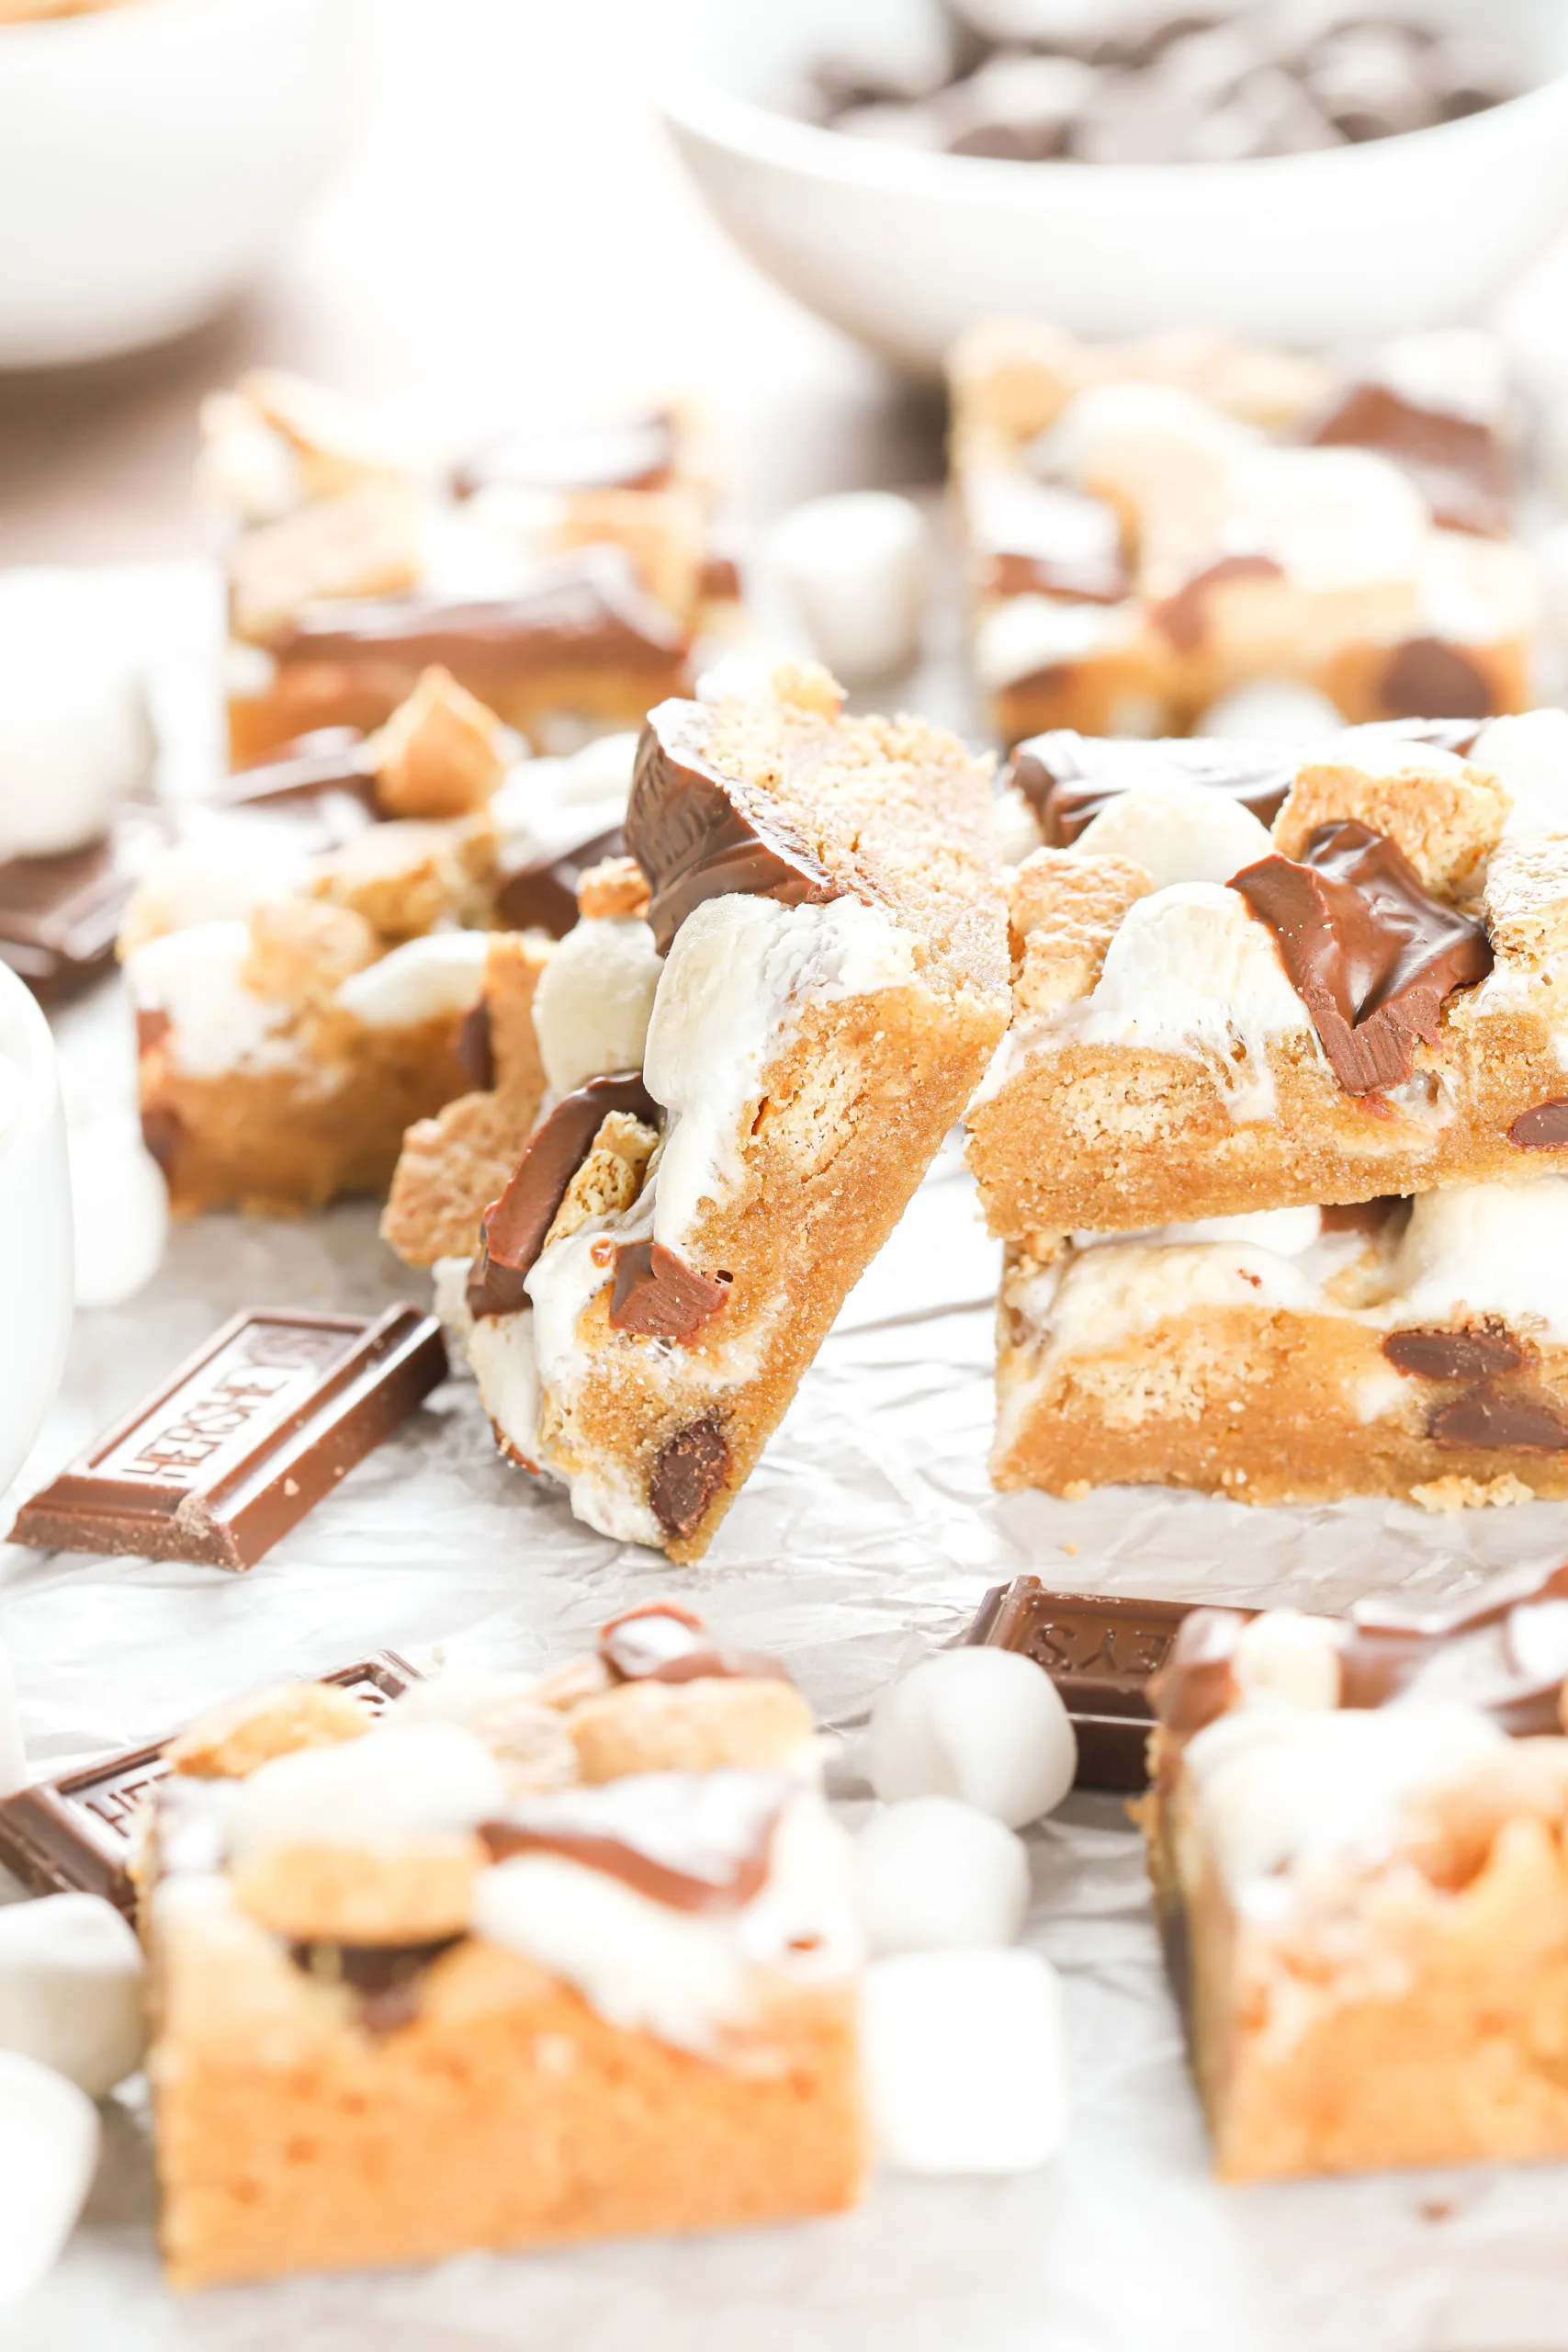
(35, 1228)
(151, 157)
(904, 249)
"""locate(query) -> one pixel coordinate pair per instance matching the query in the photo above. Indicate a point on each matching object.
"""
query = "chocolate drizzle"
(688, 1471)
(542, 895)
(513, 1230)
(1068, 778)
(1457, 463)
(630, 453)
(1543, 1130)
(696, 1841)
(1184, 616)
(698, 833)
(664, 1642)
(1372, 954)
(387, 1977)
(659, 1296)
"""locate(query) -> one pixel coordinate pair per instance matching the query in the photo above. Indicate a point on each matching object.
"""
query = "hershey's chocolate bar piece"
(1100, 1650)
(77, 1834)
(60, 916)
(242, 1439)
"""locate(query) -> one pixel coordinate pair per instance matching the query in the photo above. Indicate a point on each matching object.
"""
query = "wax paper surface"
(865, 1539)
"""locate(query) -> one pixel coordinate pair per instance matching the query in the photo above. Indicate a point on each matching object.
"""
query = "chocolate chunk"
(1501, 1420)
(696, 1841)
(1100, 1651)
(1068, 778)
(387, 1977)
(1474, 1353)
(1370, 953)
(1036, 538)
(1457, 463)
(542, 896)
(1363, 1217)
(237, 1444)
(60, 916)
(513, 1230)
(657, 1294)
(688, 1471)
(1184, 617)
(661, 1642)
(698, 833)
(1424, 675)
(635, 453)
(474, 1047)
(1542, 1129)
(78, 1834)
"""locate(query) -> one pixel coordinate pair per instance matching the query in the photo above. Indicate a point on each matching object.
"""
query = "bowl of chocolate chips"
(1297, 171)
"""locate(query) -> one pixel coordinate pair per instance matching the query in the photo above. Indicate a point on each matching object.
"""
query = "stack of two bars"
(1271, 1139)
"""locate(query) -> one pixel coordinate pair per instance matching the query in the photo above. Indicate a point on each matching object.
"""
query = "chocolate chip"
(1426, 678)
(1499, 1420)
(688, 1471)
(1476, 1353)
(1543, 1130)
(659, 1296)
(474, 1047)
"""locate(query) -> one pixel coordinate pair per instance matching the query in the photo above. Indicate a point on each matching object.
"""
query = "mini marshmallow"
(594, 998)
(193, 977)
(48, 2151)
(982, 1725)
(424, 979)
(966, 2061)
(1286, 1660)
(119, 1209)
(1529, 756)
(431, 1780)
(70, 1989)
(1272, 710)
(1488, 1249)
(76, 737)
(1089, 438)
(1288, 1233)
(855, 565)
(1176, 833)
(936, 1875)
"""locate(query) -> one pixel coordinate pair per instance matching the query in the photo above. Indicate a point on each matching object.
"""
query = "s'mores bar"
(669, 1251)
(349, 938)
(1213, 1015)
(1356, 1838)
(524, 1961)
(561, 574)
(1153, 526)
(1413, 1348)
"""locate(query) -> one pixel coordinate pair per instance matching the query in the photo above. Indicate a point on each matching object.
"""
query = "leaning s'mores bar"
(1152, 526)
(1363, 1000)
(524, 1961)
(561, 575)
(1360, 1879)
(673, 1244)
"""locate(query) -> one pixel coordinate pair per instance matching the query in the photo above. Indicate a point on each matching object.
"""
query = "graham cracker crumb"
(1076, 1492)
(610, 1178)
(1526, 898)
(689, 1727)
(1454, 1493)
(404, 877)
(1065, 909)
(441, 753)
(616, 886)
(301, 950)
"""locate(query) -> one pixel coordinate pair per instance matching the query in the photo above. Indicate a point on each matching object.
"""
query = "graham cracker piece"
(363, 543)
(450, 1169)
(231, 1741)
(610, 1178)
(1445, 823)
(616, 887)
(1526, 898)
(648, 1727)
(404, 877)
(407, 1891)
(1065, 909)
(301, 949)
(441, 753)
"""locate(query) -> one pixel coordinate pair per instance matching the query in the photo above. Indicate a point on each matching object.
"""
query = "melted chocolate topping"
(1543, 1130)
(1425, 674)
(657, 1295)
(1184, 617)
(1457, 463)
(1370, 953)
(698, 833)
(688, 1471)
(1474, 1353)
(1501, 1420)
(542, 896)
(513, 1230)
(696, 1841)
(664, 1642)
(387, 1977)
(1040, 539)
(635, 453)
(1068, 778)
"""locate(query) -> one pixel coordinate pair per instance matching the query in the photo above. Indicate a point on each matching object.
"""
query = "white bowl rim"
(33, 36)
(40, 1067)
(695, 100)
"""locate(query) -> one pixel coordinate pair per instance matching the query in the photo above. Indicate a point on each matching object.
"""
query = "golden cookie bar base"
(1260, 1404)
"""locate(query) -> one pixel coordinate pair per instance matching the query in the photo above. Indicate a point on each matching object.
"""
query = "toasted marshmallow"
(1176, 833)
(425, 980)
(595, 999)
(1488, 1249)
(193, 977)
